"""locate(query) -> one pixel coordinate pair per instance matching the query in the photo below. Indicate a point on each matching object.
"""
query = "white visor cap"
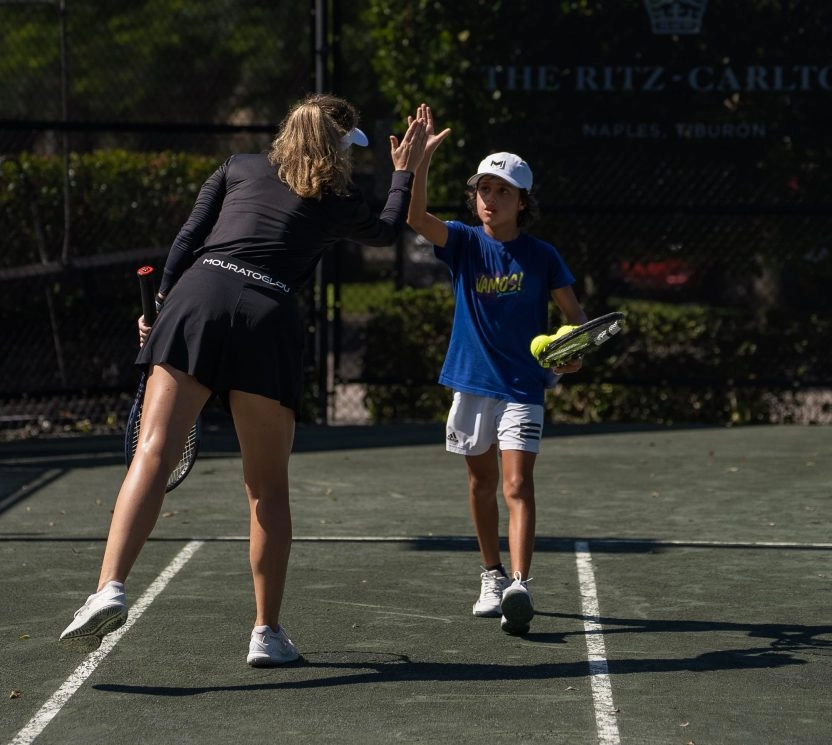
(354, 137)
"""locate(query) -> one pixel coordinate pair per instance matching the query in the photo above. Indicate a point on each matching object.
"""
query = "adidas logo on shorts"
(452, 437)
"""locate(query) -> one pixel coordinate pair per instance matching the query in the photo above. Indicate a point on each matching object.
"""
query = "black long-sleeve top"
(245, 210)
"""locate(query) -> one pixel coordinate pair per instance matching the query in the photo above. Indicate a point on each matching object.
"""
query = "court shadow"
(786, 644)
(783, 637)
(20, 483)
(316, 671)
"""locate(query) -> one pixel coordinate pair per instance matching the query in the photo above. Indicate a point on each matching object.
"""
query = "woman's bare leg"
(172, 401)
(266, 431)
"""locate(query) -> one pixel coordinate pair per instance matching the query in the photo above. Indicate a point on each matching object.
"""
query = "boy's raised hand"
(424, 114)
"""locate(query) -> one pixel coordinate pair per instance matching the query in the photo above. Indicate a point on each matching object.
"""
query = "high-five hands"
(408, 154)
(424, 114)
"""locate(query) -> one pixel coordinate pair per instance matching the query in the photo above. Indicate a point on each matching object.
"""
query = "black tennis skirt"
(233, 328)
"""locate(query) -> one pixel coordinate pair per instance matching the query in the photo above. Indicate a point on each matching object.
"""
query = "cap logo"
(498, 163)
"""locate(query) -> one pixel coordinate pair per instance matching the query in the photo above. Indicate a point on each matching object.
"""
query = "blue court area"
(682, 583)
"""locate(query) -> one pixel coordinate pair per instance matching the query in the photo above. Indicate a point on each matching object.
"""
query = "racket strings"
(580, 341)
(569, 350)
(189, 451)
(187, 458)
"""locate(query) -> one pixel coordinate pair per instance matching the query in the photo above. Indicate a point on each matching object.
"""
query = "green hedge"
(672, 364)
(119, 200)
(405, 341)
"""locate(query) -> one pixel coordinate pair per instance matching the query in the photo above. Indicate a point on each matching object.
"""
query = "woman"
(228, 324)
(503, 280)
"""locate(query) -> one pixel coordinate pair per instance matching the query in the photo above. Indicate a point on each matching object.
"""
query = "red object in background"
(668, 274)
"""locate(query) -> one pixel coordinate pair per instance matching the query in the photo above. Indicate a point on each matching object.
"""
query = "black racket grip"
(145, 275)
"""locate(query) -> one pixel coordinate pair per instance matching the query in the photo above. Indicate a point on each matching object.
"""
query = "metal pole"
(335, 48)
(65, 135)
(321, 52)
(321, 46)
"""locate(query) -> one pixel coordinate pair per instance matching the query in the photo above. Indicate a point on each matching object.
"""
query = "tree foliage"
(157, 60)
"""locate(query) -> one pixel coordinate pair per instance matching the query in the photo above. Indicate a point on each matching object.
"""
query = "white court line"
(48, 711)
(605, 721)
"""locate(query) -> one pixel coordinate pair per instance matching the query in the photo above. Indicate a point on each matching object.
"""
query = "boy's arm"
(570, 308)
(574, 315)
(423, 222)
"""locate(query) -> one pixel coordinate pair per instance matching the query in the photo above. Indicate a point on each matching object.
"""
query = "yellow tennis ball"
(538, 344)
(563, 330)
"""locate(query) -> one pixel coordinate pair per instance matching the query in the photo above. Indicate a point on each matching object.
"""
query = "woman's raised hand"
(408, 153)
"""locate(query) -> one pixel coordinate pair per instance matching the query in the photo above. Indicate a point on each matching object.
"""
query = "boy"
(503, 279)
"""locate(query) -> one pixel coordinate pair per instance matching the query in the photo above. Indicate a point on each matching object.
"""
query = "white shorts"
(475, 423)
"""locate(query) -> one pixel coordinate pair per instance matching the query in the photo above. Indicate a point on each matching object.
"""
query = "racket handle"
(145, 275)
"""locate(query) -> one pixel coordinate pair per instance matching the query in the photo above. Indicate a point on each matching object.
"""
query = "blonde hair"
(308, 152)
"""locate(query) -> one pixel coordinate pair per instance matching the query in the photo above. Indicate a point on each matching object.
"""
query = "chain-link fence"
(719, 252)
(68, 336)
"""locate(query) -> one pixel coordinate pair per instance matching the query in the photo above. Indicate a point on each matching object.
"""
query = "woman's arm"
(358, 222)
(193, 233)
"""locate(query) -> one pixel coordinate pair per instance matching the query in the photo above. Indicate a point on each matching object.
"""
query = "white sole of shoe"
(489, 613)
(87, 638)
(267, 661)
(514, 629)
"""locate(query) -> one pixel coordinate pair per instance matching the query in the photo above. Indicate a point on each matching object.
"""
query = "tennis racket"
(581, 340)
(134, 420)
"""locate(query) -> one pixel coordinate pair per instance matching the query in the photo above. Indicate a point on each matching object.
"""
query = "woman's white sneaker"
(268, 648)
(104, 612)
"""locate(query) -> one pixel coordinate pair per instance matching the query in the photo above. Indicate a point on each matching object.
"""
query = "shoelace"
(263, 638)
(519, 578)
(491, 585)
(84, 606)
(89, 600)
(283, 643)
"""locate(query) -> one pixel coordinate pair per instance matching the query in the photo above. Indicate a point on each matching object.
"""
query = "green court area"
(682, 583)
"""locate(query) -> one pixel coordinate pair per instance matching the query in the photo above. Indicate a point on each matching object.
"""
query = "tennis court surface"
(682, 582)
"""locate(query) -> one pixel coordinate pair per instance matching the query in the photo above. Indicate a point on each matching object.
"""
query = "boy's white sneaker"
(492, 584)
(268, 648)
(517, 607)
(104, 612)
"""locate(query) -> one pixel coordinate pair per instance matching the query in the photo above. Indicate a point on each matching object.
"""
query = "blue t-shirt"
(502, 293)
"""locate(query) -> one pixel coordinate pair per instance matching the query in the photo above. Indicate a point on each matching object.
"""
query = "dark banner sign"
(687, 70)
